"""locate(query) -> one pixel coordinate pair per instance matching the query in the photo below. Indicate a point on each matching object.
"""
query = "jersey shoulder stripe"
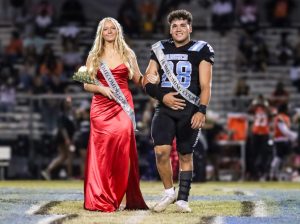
(197, 46)
(165, 43)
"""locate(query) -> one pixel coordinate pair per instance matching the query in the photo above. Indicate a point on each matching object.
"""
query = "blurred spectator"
(260, 51)
(148, 10)
(222, 15)
(244, 54)
(72, 11)
(296, 120)
(284, 50)
(283, 137)
(23, 20)
(28, 69)
(4, 10)
(14, 49)
(56, 85)
(253, 52)
(297, 49)
(35, 41)
(145, 149)
(279, 12)
(2, 59)
(71, 59)
(43, 23)
(46, 53)
(280, 95)
(248, 14)
(242, 88)
(69, 33)
(241, 101)
(8, 73)
(49, 109)
(64, 138)
(212, 129)
(50, 65)
(129, 18)
(145, 123)
(38, 86)
(259, 151)
(7, 95)
(83, 117)
(295, 75)
(15, 8)
(163, 9)
(1, 49)
(205, 3)
(6, 68)
(43, 5)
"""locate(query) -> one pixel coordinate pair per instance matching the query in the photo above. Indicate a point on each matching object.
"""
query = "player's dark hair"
(180, 14)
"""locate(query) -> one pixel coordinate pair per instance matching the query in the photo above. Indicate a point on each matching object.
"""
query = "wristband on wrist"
(154, 91)
(202, 109)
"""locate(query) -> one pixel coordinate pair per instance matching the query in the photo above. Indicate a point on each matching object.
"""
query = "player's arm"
(152, 70)
(150, 88)
(154, 90)
(137, 75)
(105, 91)
(205, 69)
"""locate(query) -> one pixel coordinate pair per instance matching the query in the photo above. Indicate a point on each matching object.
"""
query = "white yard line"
(34, 208)
(217, 220)
(248, 193)
(259, 206)
(47, 220)
(51, 219)
(260, 209)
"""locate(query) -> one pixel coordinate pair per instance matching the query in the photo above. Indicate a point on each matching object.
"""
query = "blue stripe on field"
(261, 220)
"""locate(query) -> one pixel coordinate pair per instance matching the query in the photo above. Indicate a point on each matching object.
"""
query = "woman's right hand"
(107, 92)
(154, 79)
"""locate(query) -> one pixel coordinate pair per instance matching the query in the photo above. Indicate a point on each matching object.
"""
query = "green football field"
(212, 203)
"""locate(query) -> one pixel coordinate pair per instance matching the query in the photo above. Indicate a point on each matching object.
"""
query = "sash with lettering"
(120, 98)
(188, 95)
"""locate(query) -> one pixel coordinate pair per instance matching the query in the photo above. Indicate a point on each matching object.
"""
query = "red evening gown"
(112, 161)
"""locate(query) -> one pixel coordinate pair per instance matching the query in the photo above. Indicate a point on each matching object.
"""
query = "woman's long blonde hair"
(120, 45)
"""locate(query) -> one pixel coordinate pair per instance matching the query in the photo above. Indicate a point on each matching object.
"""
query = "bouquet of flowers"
(82, 75)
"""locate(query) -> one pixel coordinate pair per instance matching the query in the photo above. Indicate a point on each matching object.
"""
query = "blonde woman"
(112, 175)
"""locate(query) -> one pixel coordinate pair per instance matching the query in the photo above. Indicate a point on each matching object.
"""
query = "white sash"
(120, 98)
(188, 95)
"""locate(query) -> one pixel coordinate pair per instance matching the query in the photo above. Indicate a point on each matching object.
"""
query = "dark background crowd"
(257, 46)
